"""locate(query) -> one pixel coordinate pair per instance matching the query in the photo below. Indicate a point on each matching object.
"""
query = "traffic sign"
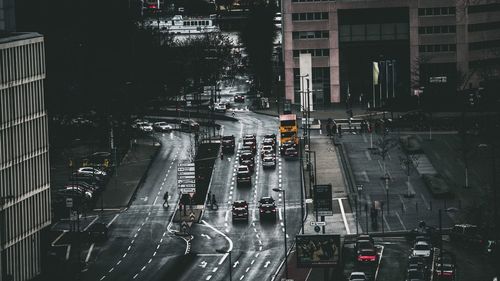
(191, 194)
(186, 173)
(185, 165)
(69, 202)
(186, 176)
(185, 169)
(187, 190)
(192, 181)
(318, 223)
(187, 185)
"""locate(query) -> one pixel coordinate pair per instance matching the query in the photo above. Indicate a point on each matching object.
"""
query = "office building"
(438, 46)
(24, 154)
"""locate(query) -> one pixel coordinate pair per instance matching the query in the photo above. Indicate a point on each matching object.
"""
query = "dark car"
(267, 208)
(269, 142)
(284, 146)
(270, 136)
(415, 275)
(269, 162)
(228, 143)
(244, 175)
(240, 210)
(291, 153)
(239, 98)
(249, 146)
(98, 232)
(466, 234)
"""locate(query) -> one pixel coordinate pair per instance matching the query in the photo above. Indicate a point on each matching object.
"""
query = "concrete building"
(433, 45)
(24, 154)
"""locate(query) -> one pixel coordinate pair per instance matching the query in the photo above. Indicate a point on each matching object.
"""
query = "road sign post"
(186, 177)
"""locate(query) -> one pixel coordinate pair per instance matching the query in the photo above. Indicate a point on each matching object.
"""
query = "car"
(422, 249)
(145, 127)
(267, 207)
(284, 146)
(291, 152)
(415, 275)
(239, 98)
(270, 136)
(77, 191)
(251, 137)
(357, 276)
(269, 162)
(244, 175)
(269, 142)
(367, 255)
(84, 185)
(466, 234)
(445, 271)
(249, 163)
(266, 149)
(250, 147)
(248, 158)
(228, 143)
(91, 170)
(98, 232)
(240, 210)
(162, 127)
(220, 107)
(100, 159)
(417, 262)
(90, 178)
(189, 125)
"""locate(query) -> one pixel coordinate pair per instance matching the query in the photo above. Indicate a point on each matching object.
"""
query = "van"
(189, 125)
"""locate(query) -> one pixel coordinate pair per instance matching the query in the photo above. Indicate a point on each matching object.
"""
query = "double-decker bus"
(288, 128)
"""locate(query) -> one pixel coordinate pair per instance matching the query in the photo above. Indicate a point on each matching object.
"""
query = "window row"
(22, 61)
(484, 45)
(309, 16)
(23, 258)
(437, 48)
(23, 139)
(21, 101)
(483, 26)
(310, 34)
(472, 9)
(439, 11)
(373, 32)
(313, 52)
(437, 29)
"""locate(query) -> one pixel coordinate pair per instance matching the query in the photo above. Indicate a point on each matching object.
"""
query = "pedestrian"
(214, 203)
(165, 199)
(209, 199)
(339, 130)
(221, 155)
(334, 128)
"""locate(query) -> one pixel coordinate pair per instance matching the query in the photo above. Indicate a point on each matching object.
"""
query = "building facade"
(24, 155)
(439, 46)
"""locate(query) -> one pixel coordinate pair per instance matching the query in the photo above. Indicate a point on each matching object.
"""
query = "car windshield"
(421, 247)
(268, 159)
(228, 138)
(242, 169)
(239, 204)
(368, 252)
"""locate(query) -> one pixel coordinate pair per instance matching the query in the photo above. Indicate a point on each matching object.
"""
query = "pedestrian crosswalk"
(246, 109)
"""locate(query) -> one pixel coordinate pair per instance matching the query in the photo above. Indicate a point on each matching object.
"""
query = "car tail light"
(367, 258)
(261, 210)
(274, 210)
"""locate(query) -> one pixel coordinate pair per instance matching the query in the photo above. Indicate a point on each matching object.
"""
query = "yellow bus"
(288, 128)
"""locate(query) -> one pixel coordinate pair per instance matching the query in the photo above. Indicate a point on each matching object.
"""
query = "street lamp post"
(284, 222)
(315, 176)
(387, 191)
(230, 262)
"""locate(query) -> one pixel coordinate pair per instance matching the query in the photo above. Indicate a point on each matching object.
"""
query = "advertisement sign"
(323, 199)
(318, 250)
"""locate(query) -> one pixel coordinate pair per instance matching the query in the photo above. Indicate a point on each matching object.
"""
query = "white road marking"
(150, 260)
(135, 276)
(387, 224)
(114, 218)
(400, 220)
(102, 278)
(89, 252)
(343, 216)
(208, 277)
(124, 255)
(215, 269)
(118, 263)
(243, 276)
(253, 261)
(248, 268)
(267, 263)
(156, 199)
(128, 249)
(280, 214)
(144, 267)
(225, 236)
(425, 201)
(111, 269)
(236, 264)
(378, 266)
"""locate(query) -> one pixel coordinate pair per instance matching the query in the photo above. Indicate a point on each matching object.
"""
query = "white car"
(90, 170)
(220, 107)
(145, 127)
(357, 276)
(269, 162)
(162, 127)
(421, 249)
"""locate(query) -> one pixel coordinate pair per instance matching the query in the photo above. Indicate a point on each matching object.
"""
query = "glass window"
(302, 16)
(451, 10)
(421, 48)
(428, 29)
(358, 32)
(388, 31)
(445, 48)
(421, 12)
(452, 47)
(436, 11)
(324, 15)
(421, 30)
(444, 11)
(436, 29)
(453, 29)
(428, 11)
(373, 31)
(310, 16)
(345, 33)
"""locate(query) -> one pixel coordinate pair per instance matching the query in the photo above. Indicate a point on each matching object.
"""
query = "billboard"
(323, 199)
(317, 250)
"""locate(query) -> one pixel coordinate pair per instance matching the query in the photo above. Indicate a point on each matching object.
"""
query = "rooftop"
(6, 37)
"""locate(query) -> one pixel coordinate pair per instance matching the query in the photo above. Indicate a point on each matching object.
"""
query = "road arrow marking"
(267, 264)
(236, 264)
(206, 236)
(203, 264)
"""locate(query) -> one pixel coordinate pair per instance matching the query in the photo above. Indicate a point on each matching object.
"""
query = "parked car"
(357, 276)
(269, 162)
(267, 208)
(84, 185)
(91, 170)
(162, 127)
(240, 210)
(75, 191)
(466, 234)
(98, 232)
(220, 107)
(89, 178)
(145, 127)
(422, 249)
(244, 175)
